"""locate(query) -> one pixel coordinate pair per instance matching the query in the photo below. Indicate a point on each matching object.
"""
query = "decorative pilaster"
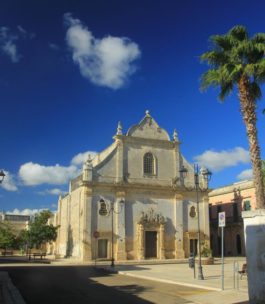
(120, 253)
(205, 217)
(162, 241)
(179, 244)
(140, 242)
(119, 161)
(86, 253)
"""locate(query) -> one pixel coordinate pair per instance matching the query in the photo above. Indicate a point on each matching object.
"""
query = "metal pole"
(194, 268)
(196, 177)
(112, 238)
(222, 258)
(234, 274)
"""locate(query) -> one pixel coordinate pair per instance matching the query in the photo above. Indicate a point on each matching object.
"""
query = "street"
(85, 284)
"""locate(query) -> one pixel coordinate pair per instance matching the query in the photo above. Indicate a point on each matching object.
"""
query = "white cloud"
(80, 158)
(105, 62)
(7, 44)
(246, 174)
(217, 161)
(24, 211)
(55, 191)
(8, 41)
(8, 182)
(34, 174)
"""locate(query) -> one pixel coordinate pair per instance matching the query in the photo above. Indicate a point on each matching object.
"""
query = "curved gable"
(148, 128)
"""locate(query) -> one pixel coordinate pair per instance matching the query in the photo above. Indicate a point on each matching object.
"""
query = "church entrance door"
(150, 244)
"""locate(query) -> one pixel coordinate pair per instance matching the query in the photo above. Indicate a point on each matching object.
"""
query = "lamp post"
(2, 176)
(112, 210)
(206, 175)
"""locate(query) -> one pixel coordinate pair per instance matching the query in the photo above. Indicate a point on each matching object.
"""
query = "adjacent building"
(17, 222)
(130, 203)
(232, 199)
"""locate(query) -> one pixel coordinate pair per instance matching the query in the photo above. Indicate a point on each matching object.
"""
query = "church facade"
(130, 202)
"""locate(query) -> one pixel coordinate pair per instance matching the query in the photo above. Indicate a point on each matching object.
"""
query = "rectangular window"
(102, 248)
(235, 212)
(247, 206)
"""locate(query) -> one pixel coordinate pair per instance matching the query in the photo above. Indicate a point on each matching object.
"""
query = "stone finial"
(119, 129)
(88, 162)
(147, 113)
(175, 135)
(87, 169)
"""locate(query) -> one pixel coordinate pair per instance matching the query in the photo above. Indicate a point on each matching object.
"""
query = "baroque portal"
(151, 235)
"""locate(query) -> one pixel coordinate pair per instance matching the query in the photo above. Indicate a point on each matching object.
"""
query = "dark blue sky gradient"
(50, 112)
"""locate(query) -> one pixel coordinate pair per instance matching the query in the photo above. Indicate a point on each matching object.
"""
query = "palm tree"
(236, 60)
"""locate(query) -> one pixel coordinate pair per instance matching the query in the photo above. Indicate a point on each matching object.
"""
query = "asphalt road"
(85, 284)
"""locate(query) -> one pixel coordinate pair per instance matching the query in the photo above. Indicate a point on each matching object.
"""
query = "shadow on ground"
(67, 284)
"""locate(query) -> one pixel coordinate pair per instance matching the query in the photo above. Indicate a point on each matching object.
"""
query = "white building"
(131, 196)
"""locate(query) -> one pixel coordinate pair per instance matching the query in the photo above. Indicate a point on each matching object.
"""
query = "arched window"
(149, 164)
(102, 208)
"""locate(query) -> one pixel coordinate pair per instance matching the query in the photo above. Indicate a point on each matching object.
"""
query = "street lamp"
(112, 210)
(2, 176)
(206, 175)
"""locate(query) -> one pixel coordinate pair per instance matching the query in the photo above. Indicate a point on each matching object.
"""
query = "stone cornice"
(127, 187)
(230, 188)
(149, 141)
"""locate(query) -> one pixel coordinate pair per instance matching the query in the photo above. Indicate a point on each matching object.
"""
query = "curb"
(169, 281)
(159, 280)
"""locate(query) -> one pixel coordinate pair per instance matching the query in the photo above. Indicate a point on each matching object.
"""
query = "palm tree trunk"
(248, 111)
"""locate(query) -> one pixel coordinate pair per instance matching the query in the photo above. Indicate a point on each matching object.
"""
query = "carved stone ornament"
(151, 218)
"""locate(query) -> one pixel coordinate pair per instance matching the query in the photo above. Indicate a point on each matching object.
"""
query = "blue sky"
(70, 70)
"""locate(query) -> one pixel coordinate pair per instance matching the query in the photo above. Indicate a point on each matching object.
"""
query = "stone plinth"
(254, 226)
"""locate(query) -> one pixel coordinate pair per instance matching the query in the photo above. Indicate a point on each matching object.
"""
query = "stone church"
(130, 202)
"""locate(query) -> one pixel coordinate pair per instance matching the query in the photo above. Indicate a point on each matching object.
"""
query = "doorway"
(238, 244)
(102, 248)
(150, 244)
(193, 246)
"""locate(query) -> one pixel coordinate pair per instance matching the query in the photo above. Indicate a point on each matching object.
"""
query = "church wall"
(73, 246)
(106, 171)
(135, 205)
(69, 221)
(134, 154)
(63, 222)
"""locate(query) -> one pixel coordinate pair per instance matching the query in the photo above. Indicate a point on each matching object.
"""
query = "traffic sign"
(221, 217)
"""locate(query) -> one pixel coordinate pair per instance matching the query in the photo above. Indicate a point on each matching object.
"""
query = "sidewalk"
(178, 273)
(235, 289)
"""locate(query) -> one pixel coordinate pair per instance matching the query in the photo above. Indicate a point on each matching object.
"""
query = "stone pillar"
(140, 242)
(179, 244)
(86, 252)
(162, 241)
(119, 231)
(254, 225)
